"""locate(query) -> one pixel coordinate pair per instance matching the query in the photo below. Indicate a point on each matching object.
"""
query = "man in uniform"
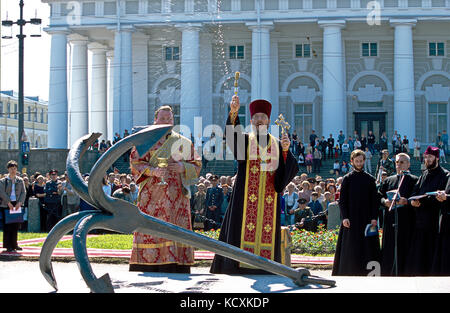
(214, 199)
(265, 167)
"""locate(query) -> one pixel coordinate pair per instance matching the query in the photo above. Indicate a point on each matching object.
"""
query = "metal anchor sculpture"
(124, 217)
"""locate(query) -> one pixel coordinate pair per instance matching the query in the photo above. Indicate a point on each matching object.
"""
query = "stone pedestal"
(34, 216)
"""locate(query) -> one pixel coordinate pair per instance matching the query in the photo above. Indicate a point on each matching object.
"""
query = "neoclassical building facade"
(327, 65)
(35, 121)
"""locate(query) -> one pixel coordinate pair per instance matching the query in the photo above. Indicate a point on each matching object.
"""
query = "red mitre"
(260, 106)
(433, 151)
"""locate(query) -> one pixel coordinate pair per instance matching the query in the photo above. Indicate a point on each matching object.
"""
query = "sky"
(36, 50)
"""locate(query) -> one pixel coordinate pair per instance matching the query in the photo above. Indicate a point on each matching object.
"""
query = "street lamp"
(36, 22)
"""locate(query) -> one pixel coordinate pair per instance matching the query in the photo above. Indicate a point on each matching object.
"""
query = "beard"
(432, 165)
(359, 169)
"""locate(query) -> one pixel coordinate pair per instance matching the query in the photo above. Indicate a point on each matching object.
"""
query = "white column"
(110, 94)
(404, 101)
(261, 70)
(334, 105)
(78, 106)
(190, 75)
(123, 83)
(57, 103)
(140, 80)
(98, 109)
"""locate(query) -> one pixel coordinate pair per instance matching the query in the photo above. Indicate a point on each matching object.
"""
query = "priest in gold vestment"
(164, 193)
(265, 167)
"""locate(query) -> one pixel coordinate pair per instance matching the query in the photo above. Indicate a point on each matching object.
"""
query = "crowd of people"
(304, 201)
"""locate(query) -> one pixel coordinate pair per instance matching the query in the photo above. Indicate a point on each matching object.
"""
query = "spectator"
(309, 162)
(341, 140)
(53, 191)
(317, 157)
(405, 144)
(345, 168)
(226, 201)
(123, 193)
(312, 138)
(306, 191)
(106, 187)
(12, 195)
(134, 192)
(394, 141)
(71, 200)
(39, 192)
(330, 144)
(103, 146)
(368, 162)
(444, 139)
(438, 138)
(290, 204)
(416, 149)
(314, 204)
(345, 151)
(441, 152)
(214, 199)
(323, 144)
(336, 168)
(383, 141)
(351, 143)
(371, 142)
(199, 207)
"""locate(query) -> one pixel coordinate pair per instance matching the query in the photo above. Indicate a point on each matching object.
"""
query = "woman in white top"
(290, 204)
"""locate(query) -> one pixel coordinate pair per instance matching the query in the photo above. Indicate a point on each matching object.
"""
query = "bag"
(15, 217)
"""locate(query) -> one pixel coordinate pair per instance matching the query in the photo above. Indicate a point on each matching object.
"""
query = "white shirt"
(13, 197)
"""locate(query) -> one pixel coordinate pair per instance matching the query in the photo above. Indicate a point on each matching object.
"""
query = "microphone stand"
(394, 206)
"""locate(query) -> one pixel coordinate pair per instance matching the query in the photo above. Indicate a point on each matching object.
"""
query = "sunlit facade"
(327, 65)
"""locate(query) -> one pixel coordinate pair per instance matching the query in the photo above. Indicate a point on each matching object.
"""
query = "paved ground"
(25, 277)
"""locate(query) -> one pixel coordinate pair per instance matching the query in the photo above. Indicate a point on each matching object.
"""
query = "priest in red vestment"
(265, 167)
(169, 202)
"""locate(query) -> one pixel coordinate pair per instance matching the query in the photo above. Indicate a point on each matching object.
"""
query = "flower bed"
(321, 242)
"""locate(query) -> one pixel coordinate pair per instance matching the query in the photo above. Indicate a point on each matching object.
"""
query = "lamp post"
(21, 23)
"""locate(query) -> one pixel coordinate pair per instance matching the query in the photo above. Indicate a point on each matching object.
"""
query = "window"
(236, 52)
(109, 8)
(303, 121)
(88, 8)
(42, 115)
(436, 49)
(29, 113)
(8, 109)
(1, 108)
(172, 53)
(369, 49)
(15, 111)
(437, 119)
(303, 50)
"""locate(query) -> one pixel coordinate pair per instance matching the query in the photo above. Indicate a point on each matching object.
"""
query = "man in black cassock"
(425, 233)
(358, 203)
(441, 259)
(265, 167)
(405, 218)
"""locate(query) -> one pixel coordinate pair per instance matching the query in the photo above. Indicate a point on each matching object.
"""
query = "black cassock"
(232, 223)
(425, 233)
(358, 202)
(405, 225)
(441, 260)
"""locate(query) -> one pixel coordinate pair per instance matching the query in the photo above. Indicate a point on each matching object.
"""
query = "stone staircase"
(229, 167)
